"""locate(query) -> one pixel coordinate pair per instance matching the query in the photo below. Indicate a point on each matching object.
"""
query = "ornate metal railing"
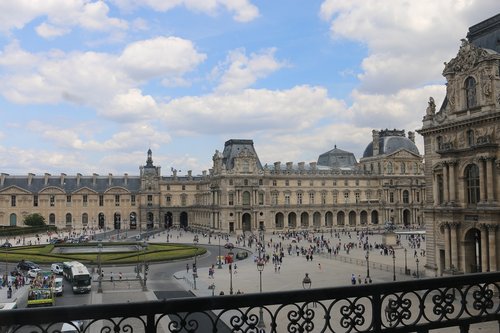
(408, 306)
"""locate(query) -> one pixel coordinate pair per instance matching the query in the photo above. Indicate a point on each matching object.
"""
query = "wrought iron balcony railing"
(408, 306)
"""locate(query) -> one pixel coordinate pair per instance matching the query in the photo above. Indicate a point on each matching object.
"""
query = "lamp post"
(99, 270)
(195, 267)
(393, 265)
(260, 268)
(367, 257)
(417, 269)
(146, 267)
(306, 284)
(406, 265)
(230, 279)
(218, 258)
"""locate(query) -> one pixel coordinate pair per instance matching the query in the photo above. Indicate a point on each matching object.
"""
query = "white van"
(57, 268)
(58, 286)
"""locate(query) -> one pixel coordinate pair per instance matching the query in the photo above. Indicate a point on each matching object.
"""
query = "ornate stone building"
(237, 194)
(462, 211)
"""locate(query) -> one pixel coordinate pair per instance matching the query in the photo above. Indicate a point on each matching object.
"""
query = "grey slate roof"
(234, 147)
(337, 158)
(390, 144)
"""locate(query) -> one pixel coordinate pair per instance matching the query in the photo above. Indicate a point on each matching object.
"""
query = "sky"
(89, 86)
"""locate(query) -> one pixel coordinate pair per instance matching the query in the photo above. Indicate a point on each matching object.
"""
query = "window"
(287, 199)
(245, 182)
(311, 183)
(287, 183)
(246, 166)
(261, 182)
(323, 183)
(389, 168)
(472, 184)
(150, 200)
(274, 198)
(68, 199)
(334, 183)
(35, 201)
(231, 199)
(299, 198)
(13, 201)
(391, 197)
(231, 182)
(323, 198)
(470, 138)
(85, 200)
(101, 200)
(183, 200)
(246, 198)
(417, 195)
(275, 183)
(403, 168)
(117, 200)
(415, 168)
(299, 183)
(261, 198)
(311, 198)
(335, 196)
(357, 194)
(357, 182)
(168, 199)
(440, 188)
(346, 182)
(183, 187)
(406, 197)
(168, 187)
(346, 196)
(132, 199)
(368, 195)
(470, 92)
(52, 200)
(85, 219)
(52, 218)
(68, 220)
(439, 142)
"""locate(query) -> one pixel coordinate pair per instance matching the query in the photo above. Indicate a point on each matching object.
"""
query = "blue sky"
(88, 86)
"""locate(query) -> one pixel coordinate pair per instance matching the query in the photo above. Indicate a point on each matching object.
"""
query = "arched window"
(68, 220)
(472, 184)
(85, 219)
(246, 198)
(470, 92)
(52, 218)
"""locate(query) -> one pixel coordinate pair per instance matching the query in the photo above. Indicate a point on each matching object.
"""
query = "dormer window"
(470, 92)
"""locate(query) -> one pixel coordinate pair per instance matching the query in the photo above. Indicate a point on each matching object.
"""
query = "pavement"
(324, 270)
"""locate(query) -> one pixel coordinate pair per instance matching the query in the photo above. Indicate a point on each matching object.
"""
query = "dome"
(337, 158)
(390, 144)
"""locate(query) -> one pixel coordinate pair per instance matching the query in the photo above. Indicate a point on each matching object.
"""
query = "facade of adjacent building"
(462, 211)
(237, 194)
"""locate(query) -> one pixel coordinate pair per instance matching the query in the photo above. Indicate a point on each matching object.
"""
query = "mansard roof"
(236, 148)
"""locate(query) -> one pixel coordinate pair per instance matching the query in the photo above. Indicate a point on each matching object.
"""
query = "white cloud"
(243, 71)
(160, 56)
(61, 16)
(131, 106)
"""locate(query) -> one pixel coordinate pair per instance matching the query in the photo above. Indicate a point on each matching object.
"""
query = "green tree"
(34, 220)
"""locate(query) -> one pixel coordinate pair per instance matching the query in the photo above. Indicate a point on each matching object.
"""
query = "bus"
(78, 276)
(41, 297)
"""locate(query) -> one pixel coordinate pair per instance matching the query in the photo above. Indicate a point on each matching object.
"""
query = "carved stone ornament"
(468, 56)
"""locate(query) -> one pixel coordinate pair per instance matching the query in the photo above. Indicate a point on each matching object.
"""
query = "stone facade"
(237, 194)
(461, 142)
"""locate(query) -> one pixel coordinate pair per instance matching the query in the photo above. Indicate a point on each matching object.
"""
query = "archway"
(13, 220)
(363, 217)
(329, 219)
(246, 222)
(279, 221)
(374, 217)
(317, 220)
(406, 217)
(102, 220)
(183, 220)
(340, 218)
(292, 220)
(472, 250)
(133, 220)
(117, 221)
(304, 220)
(168, 220)
(352, 218)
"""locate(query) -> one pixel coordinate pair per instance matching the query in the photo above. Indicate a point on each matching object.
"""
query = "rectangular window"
(68, 200)
(35, 201)
(346, 182)
(101, 200)
(274, 199)
(299, 198)
(85, 200)
(335, 198)
(261, 198)
(150, 200)
(391, 197)
(417, 194)
(183, 187)
(323, 183)
(230, 199)
(52, 200)
(299, 183)
(183, 200)
(168, 187)
(261, 182)
(323, 198)
(168, 199)
(357, 182)
(117, 200)
(13, 201)
(275, 183)
(346, 197)
(311, 198)
(287, 183)
(287, 199)
(334, 183)
(132, 199)
(357, 197)
(368, 195)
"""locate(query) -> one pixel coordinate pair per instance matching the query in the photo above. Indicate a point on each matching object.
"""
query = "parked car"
(56, 241)
(6, 245)
(25, 265)
(57, 268)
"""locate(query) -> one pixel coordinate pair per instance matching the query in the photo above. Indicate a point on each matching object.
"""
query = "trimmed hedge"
(6, 231)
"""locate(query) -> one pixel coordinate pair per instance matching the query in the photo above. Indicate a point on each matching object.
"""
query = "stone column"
(452, 180)
(454, 244)
(492, 231)
(447, 248)
(435, 190)
(489, 179)
(445, 183)
(482, 176)
(484, 248)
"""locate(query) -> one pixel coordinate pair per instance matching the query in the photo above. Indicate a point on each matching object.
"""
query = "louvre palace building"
(461, 143)
(237, 194)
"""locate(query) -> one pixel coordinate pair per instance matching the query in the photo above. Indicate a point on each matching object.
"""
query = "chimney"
(301, 165)
(204, 173)
(47, 175)
(2, 178)
(78, 177)
(63, 176)
(94, 179)
(289, 165)
(277, 166)
(375, 145)
(110, 179)
(313, 165)
(411, 136)
(190, 174)
(125, 178)
(30, 178)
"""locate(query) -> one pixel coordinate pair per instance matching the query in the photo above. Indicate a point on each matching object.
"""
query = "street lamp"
(146, 267)
(306, 284)
(230, 279)
(260, 268)
(393, 265)
(195, 267)
(417, 268)
(406, 265)
(367, 257)
(219, 261)
(99, 271)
